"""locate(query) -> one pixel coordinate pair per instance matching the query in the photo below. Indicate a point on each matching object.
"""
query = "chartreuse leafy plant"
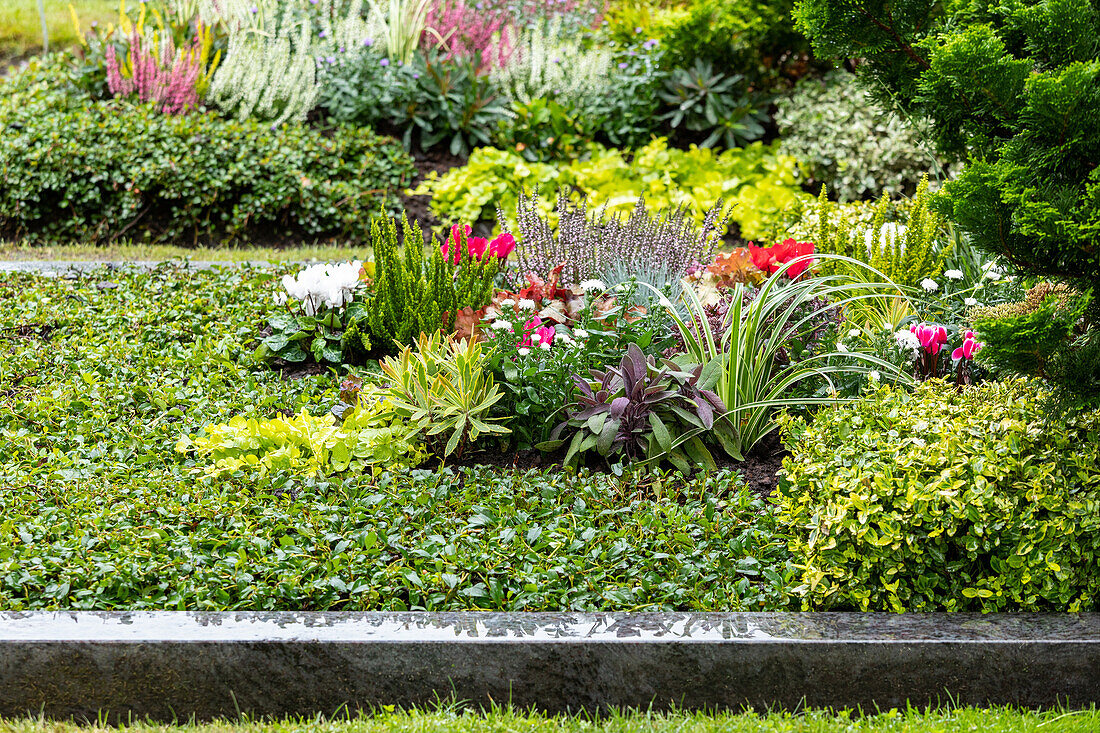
(444, 389)
(755, 181)
(940, 499)
(1011, 86)
(753, 380)
(367, 439)
(100, 511)
(642, 411)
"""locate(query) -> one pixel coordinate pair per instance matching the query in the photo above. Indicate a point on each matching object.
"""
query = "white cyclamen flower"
(970, 301)
(929, 285)
(907, 339)
(526, 304)
(590, 286)
(953, 274)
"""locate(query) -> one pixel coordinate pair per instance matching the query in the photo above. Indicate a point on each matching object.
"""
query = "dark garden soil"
(417, 207)
(758, 469)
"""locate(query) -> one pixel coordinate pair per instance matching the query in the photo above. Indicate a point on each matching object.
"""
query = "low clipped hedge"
(941, 500)
(76, 168)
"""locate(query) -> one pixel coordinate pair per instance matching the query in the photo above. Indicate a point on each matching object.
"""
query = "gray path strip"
(61, 267)
(177, 664)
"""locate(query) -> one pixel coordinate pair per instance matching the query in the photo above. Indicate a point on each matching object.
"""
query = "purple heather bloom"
(367, 42)
(622, 64)
(384, 62)
(254, 10)
(322, 34)
(649, 44)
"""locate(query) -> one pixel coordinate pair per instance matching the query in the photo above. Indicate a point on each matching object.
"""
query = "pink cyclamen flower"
(454, 244)
(545, 335)
(932, 338)
(529, 328)
(502, 245)
(969, 347)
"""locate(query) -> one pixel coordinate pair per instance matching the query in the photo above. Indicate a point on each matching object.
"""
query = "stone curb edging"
(175, 665)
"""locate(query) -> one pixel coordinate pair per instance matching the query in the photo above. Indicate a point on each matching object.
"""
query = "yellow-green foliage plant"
(906, 253)
(757, 184)
(938, 499)
(369, 438)
(443, 389)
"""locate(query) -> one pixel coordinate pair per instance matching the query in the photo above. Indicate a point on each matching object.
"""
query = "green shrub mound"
(98, 383)
(73, 168)
(1014, 87)
(940, 500)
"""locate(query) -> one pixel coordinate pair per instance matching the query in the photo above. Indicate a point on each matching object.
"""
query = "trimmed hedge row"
(75, 168)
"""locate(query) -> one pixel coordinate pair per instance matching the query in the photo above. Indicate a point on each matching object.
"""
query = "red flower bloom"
(502, 245)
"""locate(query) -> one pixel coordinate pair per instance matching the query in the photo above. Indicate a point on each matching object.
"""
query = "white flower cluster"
(324, 285)
(549, 64)
(907, 339)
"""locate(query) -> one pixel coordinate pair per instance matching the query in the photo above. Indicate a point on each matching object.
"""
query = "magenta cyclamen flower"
(969, 347)
(932, 338)
(545, 336)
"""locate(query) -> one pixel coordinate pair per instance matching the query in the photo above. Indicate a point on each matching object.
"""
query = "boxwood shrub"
(941, 500)
(76, 168)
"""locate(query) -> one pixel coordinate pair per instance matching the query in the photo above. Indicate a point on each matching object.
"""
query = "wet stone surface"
(178, 664)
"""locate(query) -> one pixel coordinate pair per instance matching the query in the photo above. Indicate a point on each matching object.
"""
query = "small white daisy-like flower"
(970, 301)
(526, 304)
(992, 275)
(501, 325)
(536, 339)
(873, 375)
(590, 286)
(507, 303)
(523, 351)
(855, 332)
(841, 347)
(907, 339)
(929, 285)
(953, 274)
(545, 346)
(580, 333)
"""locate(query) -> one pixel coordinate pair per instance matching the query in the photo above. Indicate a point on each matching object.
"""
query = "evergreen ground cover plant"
(101, 377)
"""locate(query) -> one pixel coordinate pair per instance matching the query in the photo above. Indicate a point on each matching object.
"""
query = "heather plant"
(270, 75)
(468, 31)
(907, 254)
(160, 74)
(416, 293)
(547, 64)
(592, 246)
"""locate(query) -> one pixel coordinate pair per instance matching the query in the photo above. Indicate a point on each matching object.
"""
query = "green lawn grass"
(996, 720)
(21, 29)
(17, 252)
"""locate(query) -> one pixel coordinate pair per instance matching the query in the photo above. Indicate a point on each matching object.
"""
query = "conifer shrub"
(1015, 89)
